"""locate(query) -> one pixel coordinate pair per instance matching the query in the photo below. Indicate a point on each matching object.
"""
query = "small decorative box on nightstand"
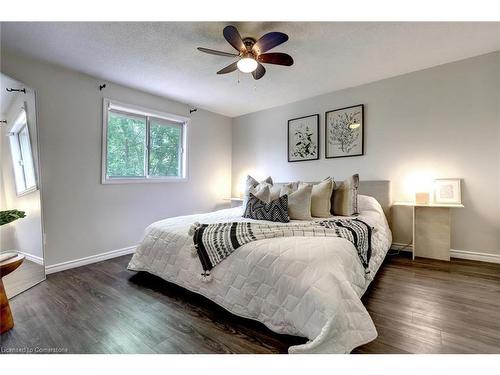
(431, 229)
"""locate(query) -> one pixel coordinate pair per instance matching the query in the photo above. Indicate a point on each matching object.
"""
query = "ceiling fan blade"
(215, 52)
(234, 38)
(269, 41)
(259, 72)
(229, 68)
(277, 58)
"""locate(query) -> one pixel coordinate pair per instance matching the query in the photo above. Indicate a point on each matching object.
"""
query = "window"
(142, 145)
(22, 156)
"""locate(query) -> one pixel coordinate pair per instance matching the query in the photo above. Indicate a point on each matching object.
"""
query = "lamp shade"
(247, 65)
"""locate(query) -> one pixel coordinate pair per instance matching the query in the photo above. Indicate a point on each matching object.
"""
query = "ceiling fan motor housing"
(249, 42)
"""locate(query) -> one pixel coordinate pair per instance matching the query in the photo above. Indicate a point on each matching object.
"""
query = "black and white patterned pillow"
(276, 210)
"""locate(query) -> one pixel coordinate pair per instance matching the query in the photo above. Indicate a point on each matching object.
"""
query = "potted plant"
(9, 216)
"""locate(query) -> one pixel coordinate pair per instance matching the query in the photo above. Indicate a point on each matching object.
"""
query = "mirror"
(21, 239)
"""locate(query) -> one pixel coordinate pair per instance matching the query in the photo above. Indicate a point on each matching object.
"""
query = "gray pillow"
(345, 197)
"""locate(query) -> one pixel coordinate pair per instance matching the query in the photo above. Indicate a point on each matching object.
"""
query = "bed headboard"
(378, 189)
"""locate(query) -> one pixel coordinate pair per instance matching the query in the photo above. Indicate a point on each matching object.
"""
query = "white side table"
(431, 229)
(235, 201)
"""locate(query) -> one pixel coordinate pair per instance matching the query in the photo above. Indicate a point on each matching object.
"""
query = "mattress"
(303, 286)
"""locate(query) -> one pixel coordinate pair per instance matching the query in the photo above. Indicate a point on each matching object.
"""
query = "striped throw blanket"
(215, 242)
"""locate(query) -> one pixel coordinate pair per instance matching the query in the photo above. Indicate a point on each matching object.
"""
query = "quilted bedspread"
(303, 286)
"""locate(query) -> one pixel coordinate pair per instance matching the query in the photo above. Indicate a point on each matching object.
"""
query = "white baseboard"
(33, 258)
(88, 260)
(460, 254)
(473, 255)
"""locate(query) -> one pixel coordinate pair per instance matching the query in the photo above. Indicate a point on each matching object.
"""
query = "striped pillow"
(276, 210)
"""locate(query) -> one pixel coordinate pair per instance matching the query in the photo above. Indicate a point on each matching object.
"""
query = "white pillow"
(275, 192)
(299, 201)
(253, 183)
(294, 186)
(261, 191)
(321, 198)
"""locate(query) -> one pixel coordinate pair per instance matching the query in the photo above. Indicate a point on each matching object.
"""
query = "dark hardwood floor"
(420, 306)
(430, 306)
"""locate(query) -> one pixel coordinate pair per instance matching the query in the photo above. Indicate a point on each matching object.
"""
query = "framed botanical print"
(303, 138)
(344, 131)
(448, 191)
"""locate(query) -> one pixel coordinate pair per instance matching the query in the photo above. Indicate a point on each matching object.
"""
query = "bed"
(303, 286)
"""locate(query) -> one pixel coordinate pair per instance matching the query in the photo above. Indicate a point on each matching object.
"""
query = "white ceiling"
(161, 58)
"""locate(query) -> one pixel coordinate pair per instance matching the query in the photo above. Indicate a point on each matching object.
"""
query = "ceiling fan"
(251, 53)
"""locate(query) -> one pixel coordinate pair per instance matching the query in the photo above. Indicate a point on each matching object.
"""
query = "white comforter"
(309, 287)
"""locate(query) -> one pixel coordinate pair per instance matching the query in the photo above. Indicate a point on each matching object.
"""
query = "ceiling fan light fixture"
(251, 53)
(247, 65)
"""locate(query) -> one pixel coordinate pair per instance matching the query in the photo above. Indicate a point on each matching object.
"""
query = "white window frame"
(18, 159)
(132, 109)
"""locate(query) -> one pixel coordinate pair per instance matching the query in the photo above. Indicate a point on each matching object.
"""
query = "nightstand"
(235, 201)
(431, 229)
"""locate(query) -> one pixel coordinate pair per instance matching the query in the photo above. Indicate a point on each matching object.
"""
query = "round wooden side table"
(6, 267)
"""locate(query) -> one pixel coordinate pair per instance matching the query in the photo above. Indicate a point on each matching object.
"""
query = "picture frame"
(303, 138)
(341, 138)
(448, 191)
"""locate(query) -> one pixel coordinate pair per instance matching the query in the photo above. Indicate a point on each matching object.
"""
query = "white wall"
(23, 235)
(440, 122)
(82, 217)
(437, 123)
(5, 234)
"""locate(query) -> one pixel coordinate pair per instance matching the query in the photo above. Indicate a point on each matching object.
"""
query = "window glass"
(22, 156)
(17, 163)
(126, 152)
(27, 158)
(141, 144)
(165, 148)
